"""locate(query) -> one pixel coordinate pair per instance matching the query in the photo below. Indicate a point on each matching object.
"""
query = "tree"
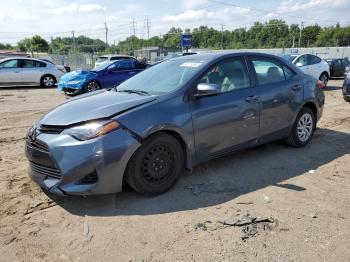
(33, 44)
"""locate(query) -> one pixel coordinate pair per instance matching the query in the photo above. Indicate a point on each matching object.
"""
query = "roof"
(114, 55)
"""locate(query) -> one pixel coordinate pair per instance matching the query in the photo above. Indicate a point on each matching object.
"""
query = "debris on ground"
(267, 199)
(251, 225)
(311, 171)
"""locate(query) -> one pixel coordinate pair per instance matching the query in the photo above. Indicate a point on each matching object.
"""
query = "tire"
(347, 99)
(156, 166)
(303, 128)
(92, 86)
(48, 81)
(324, 78)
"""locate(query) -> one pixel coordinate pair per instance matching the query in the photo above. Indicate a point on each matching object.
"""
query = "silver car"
(28, 72)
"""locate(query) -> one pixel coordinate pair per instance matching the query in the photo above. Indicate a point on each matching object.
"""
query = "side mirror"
(299, 64)
(207, 90)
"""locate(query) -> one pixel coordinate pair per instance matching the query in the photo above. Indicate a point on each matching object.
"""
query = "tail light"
(320, 84)
(61, 69)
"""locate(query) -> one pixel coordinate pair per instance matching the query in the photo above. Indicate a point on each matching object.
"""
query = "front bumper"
(65, 166)
(69, 88)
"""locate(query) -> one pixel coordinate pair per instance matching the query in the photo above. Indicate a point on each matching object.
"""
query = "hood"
(76, 75)
(95, 105)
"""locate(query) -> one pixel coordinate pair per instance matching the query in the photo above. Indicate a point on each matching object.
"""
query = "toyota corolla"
(171, 117)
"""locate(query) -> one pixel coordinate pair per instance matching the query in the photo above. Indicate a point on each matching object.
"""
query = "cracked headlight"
(91, 130)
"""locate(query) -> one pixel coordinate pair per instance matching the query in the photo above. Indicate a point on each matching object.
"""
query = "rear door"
(229, 119)
(31, 71)
(280, 92)
(118, 72)
(9, 73)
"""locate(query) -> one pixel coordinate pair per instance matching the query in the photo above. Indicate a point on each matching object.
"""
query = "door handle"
(252, 99)
(296, 88)
(131, 73)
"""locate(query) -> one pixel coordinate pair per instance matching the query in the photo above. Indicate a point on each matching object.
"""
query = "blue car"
(104, 76)
(169, 118)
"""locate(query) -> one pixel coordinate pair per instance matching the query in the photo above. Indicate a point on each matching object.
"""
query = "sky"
(58, 18)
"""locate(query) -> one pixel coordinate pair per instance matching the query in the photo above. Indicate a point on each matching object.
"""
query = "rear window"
(114, 58)
(268, 71)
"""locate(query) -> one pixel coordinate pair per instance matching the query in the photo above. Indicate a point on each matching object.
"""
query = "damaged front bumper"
(65, 166)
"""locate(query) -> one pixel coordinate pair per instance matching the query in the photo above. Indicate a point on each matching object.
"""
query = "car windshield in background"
(164, 77)
(101, 59)
(289, 58)
(101, 67)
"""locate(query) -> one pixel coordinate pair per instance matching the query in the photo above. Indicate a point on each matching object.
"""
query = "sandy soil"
(306, 192)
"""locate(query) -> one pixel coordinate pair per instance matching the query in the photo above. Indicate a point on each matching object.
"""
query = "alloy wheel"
(324, 79)
(92, 86)
(48, 81)
(305, 127)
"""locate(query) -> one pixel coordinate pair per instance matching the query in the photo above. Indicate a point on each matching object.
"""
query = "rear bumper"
(65, 166)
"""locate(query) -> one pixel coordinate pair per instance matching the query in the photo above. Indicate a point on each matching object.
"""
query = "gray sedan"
(29, 72)
(172, 117)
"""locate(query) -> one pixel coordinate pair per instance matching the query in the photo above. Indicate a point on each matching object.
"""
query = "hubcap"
(324, 79)
(48, 81)
(92, 86)
(158, 164)
(305, 126)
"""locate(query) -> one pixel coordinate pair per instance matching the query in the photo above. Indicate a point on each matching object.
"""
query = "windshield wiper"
(139, 92)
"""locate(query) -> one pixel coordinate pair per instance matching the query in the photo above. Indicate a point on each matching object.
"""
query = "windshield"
(101, 59)
(289, 58)
(101, 67)
(164, 77)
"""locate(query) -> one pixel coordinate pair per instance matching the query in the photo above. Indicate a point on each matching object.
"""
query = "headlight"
(91, 130)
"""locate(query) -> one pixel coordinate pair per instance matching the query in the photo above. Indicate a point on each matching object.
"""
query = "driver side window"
(229, 75)
(302, 60)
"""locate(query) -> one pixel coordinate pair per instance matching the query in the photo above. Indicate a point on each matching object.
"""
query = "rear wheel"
(347, 99)
(92, 86)
(324, 78)
(48, 81)
(156, 166)
(303, 128)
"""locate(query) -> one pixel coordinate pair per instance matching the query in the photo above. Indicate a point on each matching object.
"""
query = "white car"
(110, 59)
(28, 72)
(311, 65)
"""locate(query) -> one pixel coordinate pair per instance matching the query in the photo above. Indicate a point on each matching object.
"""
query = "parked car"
(338, 66)
(61, 67)
(110, 59)
(311, 65)
(105, 76)
(346, 88)
(172, 116)
(28, 72)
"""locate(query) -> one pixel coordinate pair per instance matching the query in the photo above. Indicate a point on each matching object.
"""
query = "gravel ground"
(302, 197)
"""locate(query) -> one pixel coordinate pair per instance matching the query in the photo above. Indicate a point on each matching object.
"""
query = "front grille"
(46, 129)
(45, 171)
(37, 144)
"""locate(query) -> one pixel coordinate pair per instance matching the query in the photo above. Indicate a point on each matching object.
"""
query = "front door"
(230, 118)
(118, 72)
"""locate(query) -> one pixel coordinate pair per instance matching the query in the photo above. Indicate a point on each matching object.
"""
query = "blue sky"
(22, 18)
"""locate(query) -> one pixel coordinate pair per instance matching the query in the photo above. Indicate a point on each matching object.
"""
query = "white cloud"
(293, 6)
(18, 16)
(189, 4)
(74, 7)
(189, 15)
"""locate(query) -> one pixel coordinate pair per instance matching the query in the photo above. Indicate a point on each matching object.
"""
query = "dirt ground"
(305, 192)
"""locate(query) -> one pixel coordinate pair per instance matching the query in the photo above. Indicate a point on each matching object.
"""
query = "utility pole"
(301, 29)
(148, 24)
(134, 26)
(106, 28)
(73, 34)
(222, 37)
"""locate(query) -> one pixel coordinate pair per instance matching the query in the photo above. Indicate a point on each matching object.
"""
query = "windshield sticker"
(188, 64)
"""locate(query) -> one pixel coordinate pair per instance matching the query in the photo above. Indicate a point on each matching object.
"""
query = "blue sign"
(294, 51)
(186, 40)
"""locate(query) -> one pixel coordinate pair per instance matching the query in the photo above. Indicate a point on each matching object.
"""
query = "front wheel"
(303, 128)
(156, 166)
(92, 86)
(324, 78)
